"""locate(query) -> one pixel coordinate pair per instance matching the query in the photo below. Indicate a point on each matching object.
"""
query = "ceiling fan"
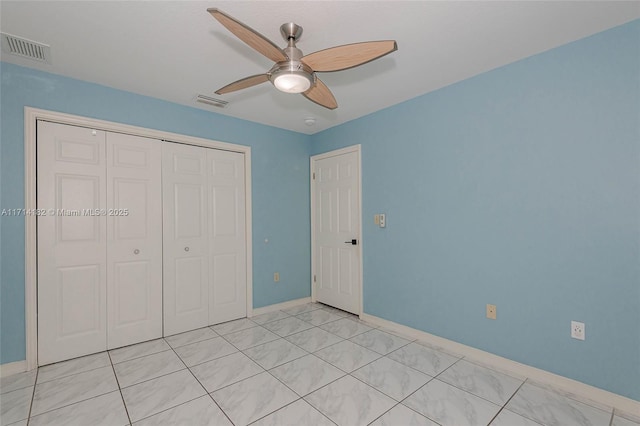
(293, 72)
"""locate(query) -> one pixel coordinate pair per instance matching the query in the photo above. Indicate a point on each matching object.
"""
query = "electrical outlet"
(276, 277)
(383, 220)
(491, 311)
(577, 330)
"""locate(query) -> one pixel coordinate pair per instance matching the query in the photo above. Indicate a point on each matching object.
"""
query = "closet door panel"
(227, 236)
(134, 231)
(185, 234)
(72, 274)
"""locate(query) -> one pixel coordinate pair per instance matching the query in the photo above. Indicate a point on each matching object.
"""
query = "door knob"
(136, 251)
(186, 249)
(352, 242)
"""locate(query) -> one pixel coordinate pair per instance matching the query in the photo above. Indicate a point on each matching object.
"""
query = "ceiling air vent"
(26, 48)
(211, 101)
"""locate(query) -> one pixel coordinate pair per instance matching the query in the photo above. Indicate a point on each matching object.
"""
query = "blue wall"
(280, 183)
(519, 187)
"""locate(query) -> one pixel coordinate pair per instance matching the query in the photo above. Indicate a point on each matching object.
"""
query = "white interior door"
(134, 235)
(71, 169)
(185, 238)
(227, 236)
(336, 192)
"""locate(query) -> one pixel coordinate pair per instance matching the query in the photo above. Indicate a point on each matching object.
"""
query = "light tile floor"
(307, 365)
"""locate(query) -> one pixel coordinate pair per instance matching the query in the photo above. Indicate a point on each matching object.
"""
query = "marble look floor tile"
(307, 374)
(233, 326)
(480, 381)
(197, 353)
(422, 358)
(287, 326)
(73, 366)
(107, 410)
(379, 341)
(300, 309)
(391, 378)
(71, 389)
(192, 336)
(621, 421)
(401, 415)
(147, 367)
(345, 328)
(156, 395)
(138, 350)
(299, 413)
(225, 371)
(269, 317)
(14, 405)
(201, 411)
(251, 337)
(274, 353)
(253, 398)
(451, 406)
(18, 381)
(508, 418)
(348, 401)
(20, 423)
(551, 408)
(440, 349)
(313, 339)
(347, 356)
(397, 333)
(318, 317)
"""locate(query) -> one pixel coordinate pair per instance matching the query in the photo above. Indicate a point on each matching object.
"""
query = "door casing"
(31, 117)
(358, 150)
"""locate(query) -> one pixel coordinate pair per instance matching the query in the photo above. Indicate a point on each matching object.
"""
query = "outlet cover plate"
(577, 330)
(491, 311)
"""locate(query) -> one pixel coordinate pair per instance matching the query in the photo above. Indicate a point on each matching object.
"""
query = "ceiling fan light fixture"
(292, 77)
(292, 81)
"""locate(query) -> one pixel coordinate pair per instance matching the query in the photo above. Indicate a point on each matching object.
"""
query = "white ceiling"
(174, 50)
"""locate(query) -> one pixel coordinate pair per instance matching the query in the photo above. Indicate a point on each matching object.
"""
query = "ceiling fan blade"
(243, 83)
(348, 55)
(254, 39)
(320, 94)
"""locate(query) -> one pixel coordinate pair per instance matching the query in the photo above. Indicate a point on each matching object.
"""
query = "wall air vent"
(26, 48)
(219, 103)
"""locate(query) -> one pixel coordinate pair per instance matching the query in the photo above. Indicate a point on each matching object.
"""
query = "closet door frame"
(31, 117)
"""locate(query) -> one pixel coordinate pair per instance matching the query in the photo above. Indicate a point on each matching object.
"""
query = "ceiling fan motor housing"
(292, 76)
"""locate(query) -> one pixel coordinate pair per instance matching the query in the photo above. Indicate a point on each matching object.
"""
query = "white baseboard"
(12, 368)
(576, 390)
(280, 306)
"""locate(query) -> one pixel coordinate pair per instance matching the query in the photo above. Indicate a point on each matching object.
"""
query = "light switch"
(376, 219)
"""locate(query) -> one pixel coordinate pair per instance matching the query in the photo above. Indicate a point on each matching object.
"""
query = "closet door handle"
(186, 249)
(136, 251)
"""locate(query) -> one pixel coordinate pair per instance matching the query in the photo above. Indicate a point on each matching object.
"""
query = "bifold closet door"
(134, 239)
(72, 278)
(185, 238)
(227, 236)
(99, 241)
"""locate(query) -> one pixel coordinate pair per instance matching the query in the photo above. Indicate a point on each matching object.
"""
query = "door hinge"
(314, 175)
(314, 278)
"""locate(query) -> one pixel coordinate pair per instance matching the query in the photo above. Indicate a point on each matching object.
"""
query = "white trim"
(358, 150)
(280, 306)
(12, 368)
(572, 388)
(31, 115)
